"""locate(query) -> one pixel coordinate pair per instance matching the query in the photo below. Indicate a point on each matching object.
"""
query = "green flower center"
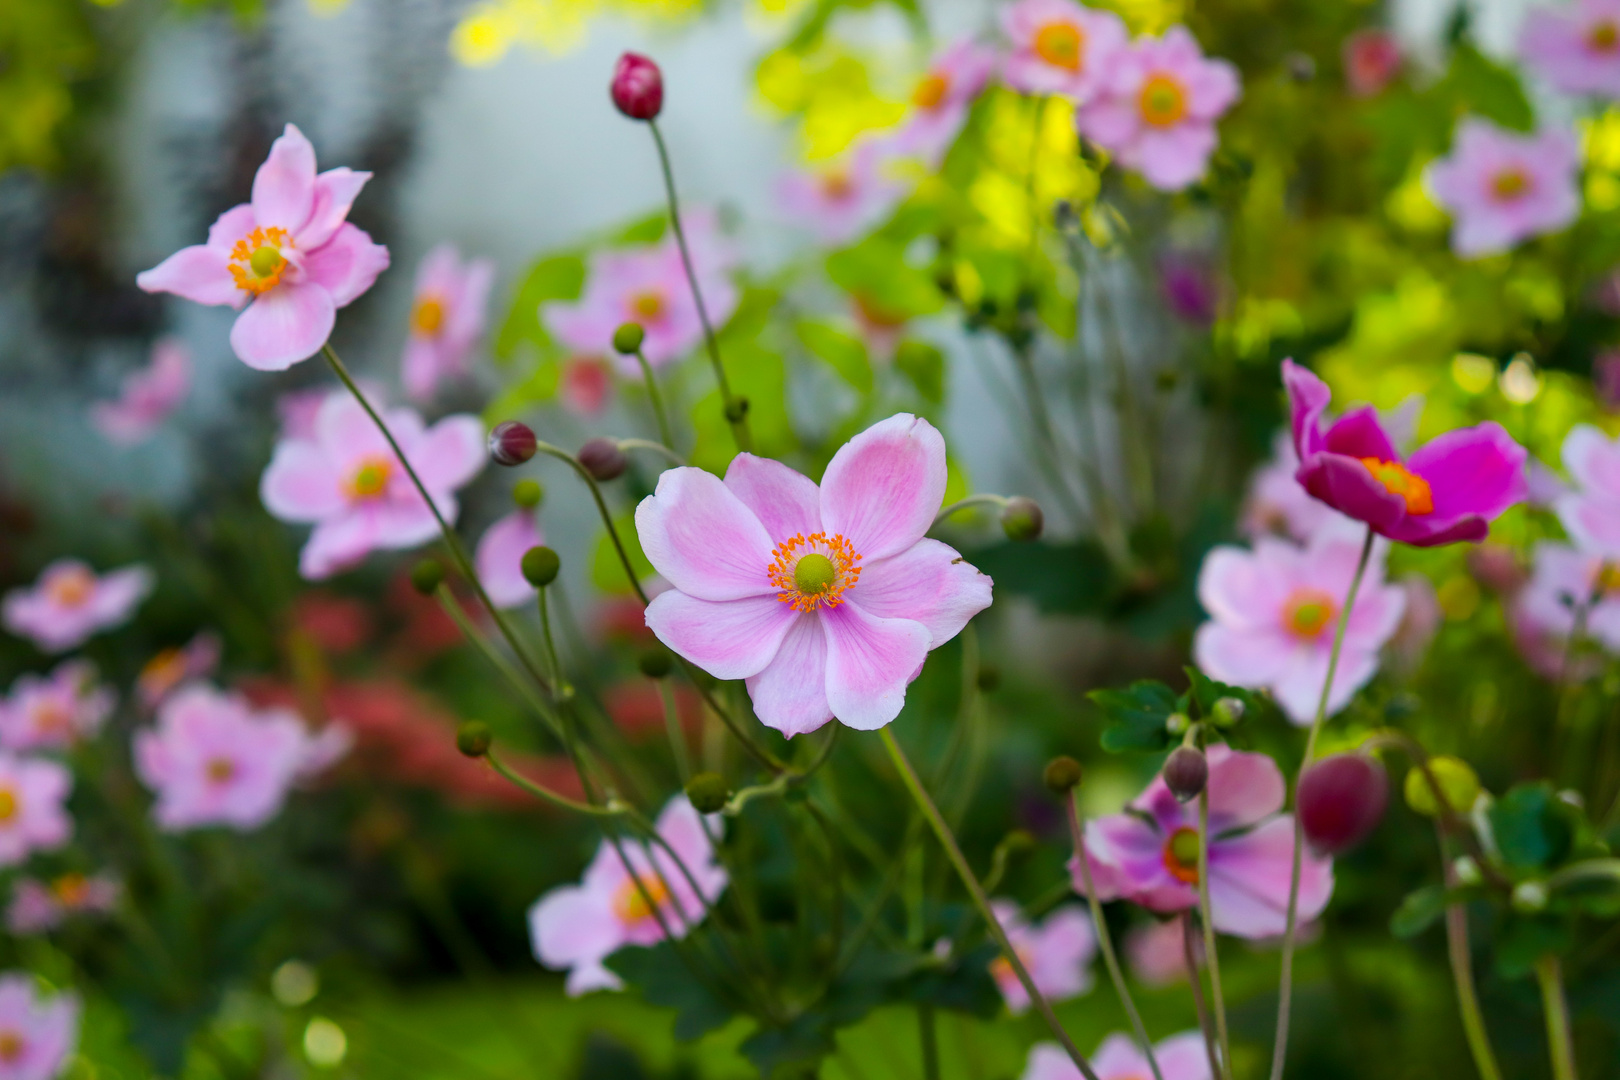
(814, 573)
(265, 260)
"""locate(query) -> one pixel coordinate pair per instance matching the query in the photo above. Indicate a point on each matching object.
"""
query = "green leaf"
(1484, 87)
(1532, 833)
(1526, 939)
(555, 277)
(924, 365)
(876, 270)
(664, 979)
(1418, 911)
(791, 1051)
(1136, 716)
(1206, 691)
(844, 352)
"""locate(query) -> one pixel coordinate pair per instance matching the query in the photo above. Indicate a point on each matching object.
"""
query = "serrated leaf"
(1136, 716)
(664, 979)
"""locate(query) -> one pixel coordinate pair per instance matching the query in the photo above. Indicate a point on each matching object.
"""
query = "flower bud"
(1341, 799)
(1021, 518)
(1457, 783)
(1529, 897)
(638, 87)
(628, 338)
(655, 663)
(512, 443)
(527, 494)
(1177, 724)
(1062, 775)
(603, 459)
(473, 738)
(540, 566)
(1227, 713)
(1186, 771)
(1467, 870)
(427, 576)
(708, 792)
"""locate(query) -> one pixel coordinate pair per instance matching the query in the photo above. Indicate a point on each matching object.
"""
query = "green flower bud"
(736, 410)
(1529, 897)
(708, 792)
(1062, 775)
(1022, 519)
(473, 738)
(628, 338)
(1457, 782)
(527, 494)
(427, 576)
(1467, 870)
(540, 566)
(1227, 713)
(1177, 724)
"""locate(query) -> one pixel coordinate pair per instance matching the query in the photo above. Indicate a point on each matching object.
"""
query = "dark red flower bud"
(1186, 771)
(1340, 800)
(638, 87)
(512, 443)
(603, 459)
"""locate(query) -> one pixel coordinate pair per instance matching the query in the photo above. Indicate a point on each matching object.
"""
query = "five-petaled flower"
(70, 603)
(1568, 585)
(37, 1034)
(54, 712)
(1180, 1057)
(1502, 187)
(1576, 48)
(38, 906)
(942, 97)
(32, 815)
(842, 199)
(1057, 952)
(149, 396)
(447, 318)
(1059, 47)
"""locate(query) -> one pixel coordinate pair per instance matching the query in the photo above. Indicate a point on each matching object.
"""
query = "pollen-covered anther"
(257, 261)
(1399, 480)
(814, 571)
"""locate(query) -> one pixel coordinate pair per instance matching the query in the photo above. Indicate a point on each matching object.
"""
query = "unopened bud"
(1177, 724)
(638, 87)
(527, 494)
(1186, 771)
(1021, 518)
(512, 443)
(655, 663)
(603, 459)
(1227, 713)
(708, 792)
(628, 338)
(1529, 897)
(1062, 775)
(427, 576)
(473, 738)
(540, 566)
(1341, 799)
(1467, 870)
(1457, 783)
(736, 410)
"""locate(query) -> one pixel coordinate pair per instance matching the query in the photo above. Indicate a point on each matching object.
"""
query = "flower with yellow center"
(630, 902)
(1510, 184)
(427, 316)
(1607, 579)
(814, 571)
(1162, 100)
(72, 890)
(1001, 968)
(71, 587)
(1399, 480)
(8, 804)
(220, 770)
(1181, 855)
(931, 90)
(1061, 44)
(370, 478)
(647, 307)
(257, 262)
(836, 185)
(1307, 612)
(51, 717)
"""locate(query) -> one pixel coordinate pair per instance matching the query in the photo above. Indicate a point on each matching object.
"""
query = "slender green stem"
(677, 735)
(657, 400)
(452, 608)
(612, 809)
(983, 499)
(1560, 1039)
(928, 1034)
(657, 448)
(1462, 972)
(1212, 956)
(564, 691)
(1189, 940)
(953, 851)
(1285, 985)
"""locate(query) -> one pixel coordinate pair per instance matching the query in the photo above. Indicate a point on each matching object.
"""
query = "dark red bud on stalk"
(1340, 800)
(512, 443)
(638, 87)
(603, 459)
(1186, 771)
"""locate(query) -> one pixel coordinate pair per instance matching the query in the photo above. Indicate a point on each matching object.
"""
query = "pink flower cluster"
(70, 603)
(38, 906)
(1180, 1057)
(38, 1033)
(53, 713)
(148, 397)
(1575, 47)
(1057, 952)
(1502, 188)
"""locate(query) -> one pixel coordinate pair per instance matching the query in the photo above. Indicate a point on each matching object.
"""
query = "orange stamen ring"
(785, 562)
(1399, 480)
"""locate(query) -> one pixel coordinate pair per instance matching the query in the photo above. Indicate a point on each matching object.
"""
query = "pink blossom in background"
(576, 927)
(499, 558)
(346, 480)
(1149, 854)
(1190, 284)
(586, 383)
(1274, 612)
(70, 603)
(175, 666)
(288, 257)
(1180, 1057)
(1156, 951)
(213, 760)
(1606, 378)
(39, 1032)
(826, 600)
(1565, 581)
(1059, 47)
(1372, 59)
(1057, 952)
(1158, 106)
(1590, 513)
(1502, 188)
(648, 286)
(1420, 622)
(32, 814)
(149, 396)
(1448, 490)
(941, 99)
(843, 199)
(1575, 47)
(1278, 504)
(54, 712)
(447, 319)
(38, 906)
(1543, 486)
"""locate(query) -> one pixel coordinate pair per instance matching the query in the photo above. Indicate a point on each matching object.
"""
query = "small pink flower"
(38, 906)
(1274, 612)
(1502, 188)
(32, 815)
(447, 319)
(578, 926)
(941, 99)
(1059, 47)
(648, 286)
(1149, 854)
(1278, 504)
(1372, 59)
(1157, 952)
(149, 396)
(841, 200)
(499, 559)
(173, 667)
(70, 604)
(826, 600)
(37, 1034)
(585, 385)
(1576, 48)
(1564, 581)
(288, 255)
(212, 760)
(1180, 1057)
(347, 481)
(1057, 952)
(1591, 512)
(1158, 106)
(54, 713)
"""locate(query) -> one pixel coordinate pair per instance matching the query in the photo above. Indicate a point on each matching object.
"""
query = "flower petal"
(869, 663)
(571, 925)
(347, 266)
(284, 186)
(1243, 657)
(1359, 434)
(1593, 459)
(883, 487)
(703, 539)
(337, 544)
(198, 273)
(790, 694)
(928, 583)
(499, 558)
(1348, 486)
(786, 501)
(335, 192)
(448, 454)
(1243, 787)
(283, 326)
(1472, 472)
(1308, 398)
(730, 639)
(300, 484)
(1249, 877)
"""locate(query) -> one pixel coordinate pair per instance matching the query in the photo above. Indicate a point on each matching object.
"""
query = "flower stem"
(452, 608)
(1560, 1043)
(928, 1034)
(677, 736)
(953, 851)
(1189, 939)
(657, 400)
(1285, 985)
(655, 447)
(563, 689)
(1211, 950)
(982, 499)
(612, 809)
(1462, 973)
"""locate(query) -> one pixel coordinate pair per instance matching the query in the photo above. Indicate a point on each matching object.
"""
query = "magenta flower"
(38, 906)
(212, 760)
(447, 319)
(70, 603)
(1149, 854)
(1057, 952)
(843, 199)
(32, 815)
(37, 1034)
(54, 712)
(347, 481)
(576, 927)
(826, 600)
(1372, 59)
(1564, 581)
(499, 558)
(1157, 108)
(1180, 1057)
(1059, 47)
(149, 396)
(941, 99)
(1502, 188)
(1576, 48)
(173, 667)
(288, 255)
(1274, 612)
(1591, 512)
(1448, 490)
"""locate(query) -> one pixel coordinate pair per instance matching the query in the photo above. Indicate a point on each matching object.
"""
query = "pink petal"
(301, 485)
(1298, 689)
(869, 663)
(1171, 159)
(572, 925)
(231, 226)
(347, 266)
(448, 454)
(335, 192)
(1183, 1057)
(1243, 787)
(337, 544)
(1249, 879)
(703, 539)
(790, 694)
(786, 501)
(421, 367)
(284, 187)
(1593, 460)
(1360, 434)
(927, 583)
(1049, 1061)
(283, 326)
(1477, 471)
(1119, 1058)
(499, 558)
(1308, 398)
(730, 639)
(199, 273)
(1241, 589)
(883, 487)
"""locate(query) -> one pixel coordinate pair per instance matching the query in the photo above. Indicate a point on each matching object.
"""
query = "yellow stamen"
(221, 770)
(51, 717)
(8, 804)
(1603, 36)
(647, 307)
(1307, 612)
(257, 262)
(1060, 44)
(71, 587)
(12, 1045)
(72, 890)
(1399, 480)
(370, 479)
(631, 906)
(1510, 184)
(931, 91)
(427, 316)
(814, 571)
(1162, 101)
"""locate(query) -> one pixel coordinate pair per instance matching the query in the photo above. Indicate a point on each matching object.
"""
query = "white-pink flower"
(447, 319)
(827, 601)
(149, 395)
(1502, 188)
(175, 666)
(1157, 107)
(1591, 512)
(38, 906)
(841, 200)
(1057, 952)
(32, 814)
(1565, 584)
(1180, 1057)
(37, 1034)
(1059, 47)
(1277, 504)
(289, 256)
(70, 603)
(577, 927)
(941, 99)
(499, 558)
(1575, 47)
(54, 712)
(346, 481)
(1274, 611)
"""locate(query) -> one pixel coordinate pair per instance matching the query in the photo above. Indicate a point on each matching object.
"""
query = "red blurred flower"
(338, 624)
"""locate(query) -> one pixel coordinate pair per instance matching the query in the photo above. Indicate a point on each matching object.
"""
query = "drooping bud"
(1062, 775)
(1177, 724)
(512, 443)
(1341, 799)
(540, 566)
(628, 338)
(473, 738)
(655, 663)
(527, 494)
(1467, 870)
(708, 792)
(603, 459)
(638, 87)
(1022, 519)
(1227, 713)
(1457, 783)
(426, 576)
(1186, 771)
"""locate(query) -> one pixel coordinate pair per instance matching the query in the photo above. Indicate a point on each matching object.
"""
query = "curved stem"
(1560, 1042)
(1189, 957)
(657, 448)
(1211, 949)
(612, 809)
(563, 689)
(929, 1035)
(1462, 972)
(656, 398)
(677, 735)
(452, 608)
(983, 499)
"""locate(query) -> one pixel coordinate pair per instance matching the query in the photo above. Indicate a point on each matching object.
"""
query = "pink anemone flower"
(1157, 951)
(1275, 610)
(149, 396)
(577, 927)
(1576, 48)
(1278, 505)
(37, 1034)
(499, 558)
(54, 712)
(348, 482)
(1059, 47)
(70, 603)
(843, 199)
(173, 667)
(1180, 1057)
(1158, 106)
(942, 97)
(1567, 584)
(289, 256)
(1057, 952)
(38, 906)
(32, 814)
(1502, 188)
(827, 601)
(1591, 512)
(447, 319)
(1149, 854)
(1448, 490)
